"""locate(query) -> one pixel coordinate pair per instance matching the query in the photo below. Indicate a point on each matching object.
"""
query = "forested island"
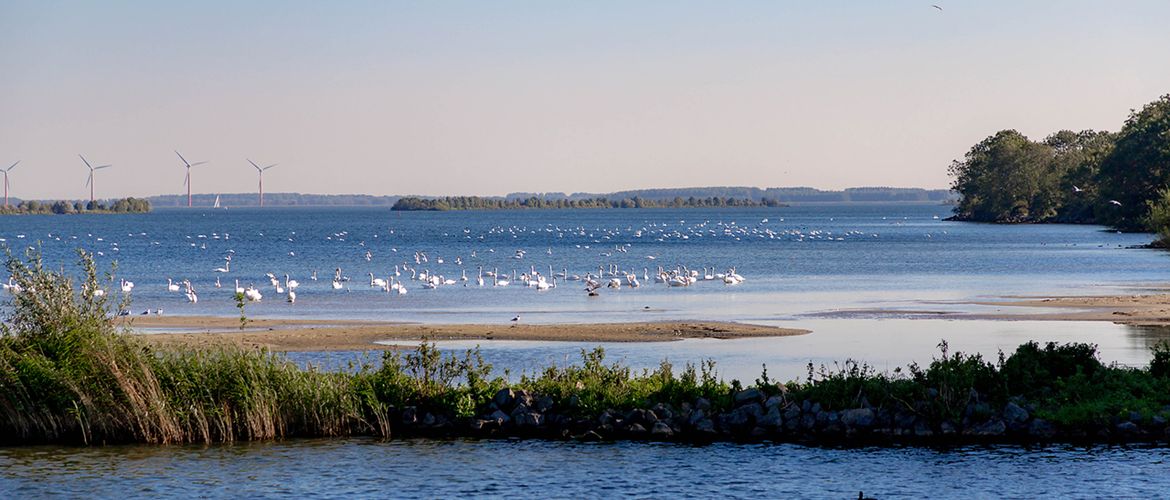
(121, 206)
(657, 195)
(1117, 179)
(480, 203)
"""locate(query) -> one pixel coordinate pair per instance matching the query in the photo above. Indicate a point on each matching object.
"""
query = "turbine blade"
(255, 165)
(185, 162)
(89, 180)
(13, 165)
(86, 162)
(197, 163)
(101, 167)
(270, 166)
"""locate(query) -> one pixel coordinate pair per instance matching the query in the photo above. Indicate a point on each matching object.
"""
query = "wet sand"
(1138, 310)
(313, 335)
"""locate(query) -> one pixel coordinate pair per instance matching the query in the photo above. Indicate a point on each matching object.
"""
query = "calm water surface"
(449, 469)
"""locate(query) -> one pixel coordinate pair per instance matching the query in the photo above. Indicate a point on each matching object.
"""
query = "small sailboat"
(216, 205)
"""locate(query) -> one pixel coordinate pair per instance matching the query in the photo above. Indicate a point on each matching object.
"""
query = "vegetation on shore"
(68, 375)
(481, 203)
(1118, 179)
(120, 206)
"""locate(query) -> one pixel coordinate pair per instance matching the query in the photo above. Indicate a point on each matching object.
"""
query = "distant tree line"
(481, 203)
(122, 206)
(1118, 179)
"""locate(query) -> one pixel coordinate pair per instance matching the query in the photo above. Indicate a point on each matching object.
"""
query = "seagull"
(1077, 189)
(937, 7)
(1115, 202)
(516, 318)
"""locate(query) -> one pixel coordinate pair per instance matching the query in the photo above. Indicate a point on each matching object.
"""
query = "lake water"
(799, 263)
(364, 468)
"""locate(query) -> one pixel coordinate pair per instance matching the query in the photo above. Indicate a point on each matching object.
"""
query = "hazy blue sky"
(486, 97)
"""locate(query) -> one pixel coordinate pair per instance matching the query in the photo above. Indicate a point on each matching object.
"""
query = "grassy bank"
(68, 375)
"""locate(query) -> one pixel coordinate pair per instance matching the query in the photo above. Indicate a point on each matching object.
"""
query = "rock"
(480, 424)
(574, 401)
(932, 393)
(499, 417)
(427, 420)
(827, 418)
(663, 411)
(1041, 429)
(590, 436)
(605, 418)
(504, 398)
(705, 427)
(791, 417)
(922, 429)
(1135, 417)
(702, 404)
(773, 419)
(409, 415)
(748, 396)
(696, 417)
(661, 431)
(991, 428)
(1015, 416)
(806, 406)
(636, 429)
(543, 404)
(904, 421)
(946, 428)
(808, 421)
(523, 398)
(736, 419)
(859, 418)
(519, 410)
(1128, 429)
(529, 419)
(758, 433)
(774, 402)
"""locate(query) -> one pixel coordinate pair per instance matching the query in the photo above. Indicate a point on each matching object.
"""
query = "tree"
(1006, 178)
(1137, 168)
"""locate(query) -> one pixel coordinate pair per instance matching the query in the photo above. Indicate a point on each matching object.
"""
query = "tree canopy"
(1084, 177)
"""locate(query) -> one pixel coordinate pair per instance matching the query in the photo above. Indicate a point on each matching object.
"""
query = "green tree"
(1138, 168)
(1006, 178)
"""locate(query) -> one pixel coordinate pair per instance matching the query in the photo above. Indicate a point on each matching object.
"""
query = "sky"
(460, 98)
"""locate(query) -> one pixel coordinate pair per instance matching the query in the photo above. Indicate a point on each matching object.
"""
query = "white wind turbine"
(187, 179)
(89, 180)
(261, 170)
(6, 170)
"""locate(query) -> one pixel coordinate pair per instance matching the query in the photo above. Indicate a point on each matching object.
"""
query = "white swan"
(174, 287)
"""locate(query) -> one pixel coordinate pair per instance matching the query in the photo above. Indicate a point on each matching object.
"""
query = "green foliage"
(62, 207)
(240, 303)
(1138, 167)
(1087, 177)
(1158, 218)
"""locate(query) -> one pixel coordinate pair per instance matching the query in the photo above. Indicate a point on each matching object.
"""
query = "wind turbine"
(261, 171)
(89, 180)
(6, 170)
(187, 180)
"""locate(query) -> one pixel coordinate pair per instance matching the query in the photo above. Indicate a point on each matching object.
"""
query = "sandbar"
(322, 335)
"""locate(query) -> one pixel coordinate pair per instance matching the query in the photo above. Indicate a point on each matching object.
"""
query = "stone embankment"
(756, 417)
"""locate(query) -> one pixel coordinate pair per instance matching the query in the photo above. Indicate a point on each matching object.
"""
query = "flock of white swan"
(419, 271)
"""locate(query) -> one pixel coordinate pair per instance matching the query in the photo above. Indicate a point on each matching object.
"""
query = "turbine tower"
(261, 170)
(89, 180)
(187, 180)
(6, 170)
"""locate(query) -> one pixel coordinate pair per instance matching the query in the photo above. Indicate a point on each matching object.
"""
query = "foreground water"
(544, 469)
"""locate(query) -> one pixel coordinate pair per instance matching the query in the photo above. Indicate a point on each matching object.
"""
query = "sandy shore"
(1142, 310)
(315, 335)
